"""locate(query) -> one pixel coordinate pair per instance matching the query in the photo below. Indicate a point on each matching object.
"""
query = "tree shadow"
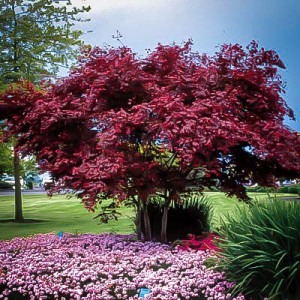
(289, 198)
(24, 221)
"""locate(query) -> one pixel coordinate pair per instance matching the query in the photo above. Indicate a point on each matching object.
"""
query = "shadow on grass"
(24, 221)
(289, 198)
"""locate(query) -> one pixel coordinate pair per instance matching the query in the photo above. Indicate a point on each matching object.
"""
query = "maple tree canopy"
(120, 125)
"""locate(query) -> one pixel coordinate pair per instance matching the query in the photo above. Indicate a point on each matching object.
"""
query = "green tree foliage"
(27, 165)
(37, 36)
(6, 159)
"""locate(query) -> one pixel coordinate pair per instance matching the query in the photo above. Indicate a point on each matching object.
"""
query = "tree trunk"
(164, 222)
(147, 224)
(18, 195)
(139, 219)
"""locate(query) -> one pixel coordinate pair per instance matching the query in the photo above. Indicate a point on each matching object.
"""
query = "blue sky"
(275, 24)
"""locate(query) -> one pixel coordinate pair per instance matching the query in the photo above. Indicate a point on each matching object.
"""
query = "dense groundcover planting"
(105, 267)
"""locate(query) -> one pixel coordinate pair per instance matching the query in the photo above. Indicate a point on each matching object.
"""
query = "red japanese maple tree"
(120, 125)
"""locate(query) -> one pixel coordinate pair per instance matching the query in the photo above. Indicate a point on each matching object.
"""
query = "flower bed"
(105, 267)
(204, 242)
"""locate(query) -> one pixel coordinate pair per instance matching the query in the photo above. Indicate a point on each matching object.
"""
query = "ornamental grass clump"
(261, 249)
(191, 216)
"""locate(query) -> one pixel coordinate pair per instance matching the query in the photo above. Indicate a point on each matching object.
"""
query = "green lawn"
(61, 214)
(222, 205)
(56, 214)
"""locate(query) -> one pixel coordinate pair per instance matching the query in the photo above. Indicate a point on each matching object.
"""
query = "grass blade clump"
(261, 249)
(192, 215)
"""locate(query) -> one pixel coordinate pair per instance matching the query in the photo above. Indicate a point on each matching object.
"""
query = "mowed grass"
(223, 205)
(56, 214)
(68, 215)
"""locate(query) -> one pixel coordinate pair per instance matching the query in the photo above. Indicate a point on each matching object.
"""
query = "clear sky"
(275, 24)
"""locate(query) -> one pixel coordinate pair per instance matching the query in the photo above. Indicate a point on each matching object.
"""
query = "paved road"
(25, 192)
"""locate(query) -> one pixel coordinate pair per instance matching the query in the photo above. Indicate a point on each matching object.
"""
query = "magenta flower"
(106, 266)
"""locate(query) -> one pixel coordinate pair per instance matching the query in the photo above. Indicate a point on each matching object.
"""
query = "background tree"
(37, 37)
(28, 164)
(6, 155)
(120, 126)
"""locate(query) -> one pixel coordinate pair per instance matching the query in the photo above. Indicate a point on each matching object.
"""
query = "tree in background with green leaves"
(37, 38)
(27, 165)
(6, 161)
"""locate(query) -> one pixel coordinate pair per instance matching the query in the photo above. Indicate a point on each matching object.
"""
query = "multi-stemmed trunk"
(147, 224)
(142, 214)
(138, 221)
(164, 222)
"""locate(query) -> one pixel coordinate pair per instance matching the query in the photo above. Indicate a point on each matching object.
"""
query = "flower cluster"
(105, 267)
(204, 242)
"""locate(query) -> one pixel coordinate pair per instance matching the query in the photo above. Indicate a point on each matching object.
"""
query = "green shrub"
(293, 189)
(260, 189)
(5, 185)
(283, 189)
(252, 189)
(211, 189)
(261, 249)
(192, 216)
